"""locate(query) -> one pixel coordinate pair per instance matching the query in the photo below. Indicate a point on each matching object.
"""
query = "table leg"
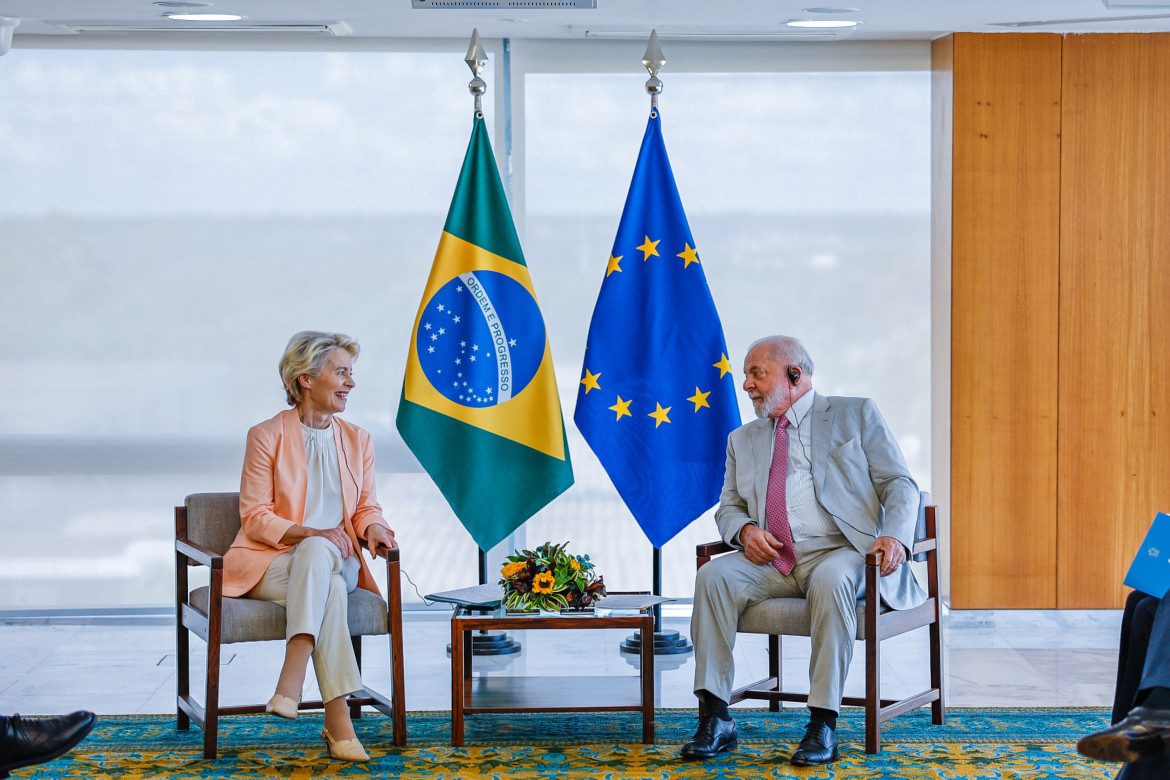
(647, 632)
(458, 682)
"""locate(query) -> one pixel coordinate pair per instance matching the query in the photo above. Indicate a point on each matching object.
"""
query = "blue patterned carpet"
(975, 743)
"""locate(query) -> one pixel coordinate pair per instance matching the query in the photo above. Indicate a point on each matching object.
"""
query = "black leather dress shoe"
(819, 746)
(1143, 732)
(27, 741)
(714, 736)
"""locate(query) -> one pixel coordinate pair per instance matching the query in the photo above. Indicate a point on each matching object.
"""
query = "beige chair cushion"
(788, 617)
(253, 620)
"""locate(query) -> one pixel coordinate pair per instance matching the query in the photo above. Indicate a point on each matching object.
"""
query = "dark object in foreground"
(1144, 732)
(28, 741)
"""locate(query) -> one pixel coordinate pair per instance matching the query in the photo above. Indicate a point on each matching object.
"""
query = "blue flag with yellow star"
(657, 397)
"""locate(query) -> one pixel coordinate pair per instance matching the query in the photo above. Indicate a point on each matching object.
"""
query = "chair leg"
(775, 668)
(355, 710)
(182, 675)
(873, 693)
(398, 680)
(938, 709)
(211, 719)
(182, 635)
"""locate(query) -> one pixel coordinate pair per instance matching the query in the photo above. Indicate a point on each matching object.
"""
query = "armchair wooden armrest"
(704, 552)
(197, 555)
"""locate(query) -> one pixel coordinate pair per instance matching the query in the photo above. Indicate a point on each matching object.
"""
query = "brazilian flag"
(479, 404)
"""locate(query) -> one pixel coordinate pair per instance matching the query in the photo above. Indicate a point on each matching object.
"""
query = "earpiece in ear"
(794, 375)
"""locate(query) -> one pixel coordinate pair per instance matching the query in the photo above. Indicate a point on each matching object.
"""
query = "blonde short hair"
(306, 353)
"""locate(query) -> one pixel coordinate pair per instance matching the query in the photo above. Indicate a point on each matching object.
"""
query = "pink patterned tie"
(775, 504)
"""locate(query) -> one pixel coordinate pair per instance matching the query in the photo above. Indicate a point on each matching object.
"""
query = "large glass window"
(169, 219)
(808, 194)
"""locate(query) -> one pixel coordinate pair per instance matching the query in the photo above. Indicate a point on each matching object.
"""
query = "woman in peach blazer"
(306, 497)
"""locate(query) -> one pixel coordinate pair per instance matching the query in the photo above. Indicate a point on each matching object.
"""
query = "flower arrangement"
(549, 579)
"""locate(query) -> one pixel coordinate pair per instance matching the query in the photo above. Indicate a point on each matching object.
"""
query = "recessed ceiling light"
(182, 5)
(830, 10)
(822, 23)
(205, 17)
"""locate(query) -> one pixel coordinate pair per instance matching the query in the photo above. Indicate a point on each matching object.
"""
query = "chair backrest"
(213, 519)
(920, 526)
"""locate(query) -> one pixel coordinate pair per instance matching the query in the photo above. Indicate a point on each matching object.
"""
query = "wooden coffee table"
(565, 693)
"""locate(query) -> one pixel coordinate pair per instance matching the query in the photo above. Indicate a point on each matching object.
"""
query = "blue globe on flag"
(481, 339)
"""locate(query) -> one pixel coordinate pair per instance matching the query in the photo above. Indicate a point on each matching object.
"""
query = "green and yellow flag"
(479, 404)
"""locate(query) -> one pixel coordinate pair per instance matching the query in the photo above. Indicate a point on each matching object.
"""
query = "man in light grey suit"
(810, 487)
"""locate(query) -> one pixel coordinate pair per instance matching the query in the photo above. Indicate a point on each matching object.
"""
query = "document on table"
(630, 601)
(475, 596)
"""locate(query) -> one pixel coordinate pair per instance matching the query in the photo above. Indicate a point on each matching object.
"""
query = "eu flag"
(657, 396)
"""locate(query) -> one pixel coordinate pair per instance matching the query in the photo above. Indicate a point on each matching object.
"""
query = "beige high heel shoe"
(282, 706)
(344, 749)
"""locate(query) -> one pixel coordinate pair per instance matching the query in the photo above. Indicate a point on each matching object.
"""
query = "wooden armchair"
(778, 617)
(205, 527)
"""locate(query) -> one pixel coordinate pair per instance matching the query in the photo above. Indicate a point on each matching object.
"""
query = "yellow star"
(590, 382)
(621, 407)
(724, 366)
(649, 248)
(659, 415)
(699, 399)
(613, 265)
(688, 255)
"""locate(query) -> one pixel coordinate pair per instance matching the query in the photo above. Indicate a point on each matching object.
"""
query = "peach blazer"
(272, 496)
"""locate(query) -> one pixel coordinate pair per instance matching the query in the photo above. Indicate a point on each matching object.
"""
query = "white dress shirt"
(806, 516)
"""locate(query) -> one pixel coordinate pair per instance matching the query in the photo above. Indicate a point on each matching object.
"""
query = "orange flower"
(543, 583)
(512, 569)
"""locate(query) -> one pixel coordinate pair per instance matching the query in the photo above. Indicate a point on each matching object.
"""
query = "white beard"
(768, 404)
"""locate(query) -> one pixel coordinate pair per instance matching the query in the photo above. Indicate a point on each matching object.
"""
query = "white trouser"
(829, 573)
(310, 582)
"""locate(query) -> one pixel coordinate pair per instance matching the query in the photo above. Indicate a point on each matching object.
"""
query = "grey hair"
(786, 350)
(306, 353)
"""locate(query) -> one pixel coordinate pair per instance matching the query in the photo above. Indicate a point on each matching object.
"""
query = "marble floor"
(127, 666)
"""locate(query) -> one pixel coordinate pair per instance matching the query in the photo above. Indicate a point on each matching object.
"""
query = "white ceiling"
(880, 19)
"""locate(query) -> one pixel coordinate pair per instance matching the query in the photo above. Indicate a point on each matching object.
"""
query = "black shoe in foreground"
(27, 741)
(714, 736)
(819, 746)
(1143, 732)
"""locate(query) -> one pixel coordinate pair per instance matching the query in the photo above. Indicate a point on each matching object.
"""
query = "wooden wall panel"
(1114, 441)
(1005, 258)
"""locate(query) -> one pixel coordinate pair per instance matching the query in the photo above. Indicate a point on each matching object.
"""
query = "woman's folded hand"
(381, 540)
(340, 538)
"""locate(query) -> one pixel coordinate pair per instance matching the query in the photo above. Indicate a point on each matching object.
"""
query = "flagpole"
(483, 642)
(665, 642)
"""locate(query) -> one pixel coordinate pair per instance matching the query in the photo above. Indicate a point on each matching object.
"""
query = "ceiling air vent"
(718, 34)
(323, 29)
(525, 5)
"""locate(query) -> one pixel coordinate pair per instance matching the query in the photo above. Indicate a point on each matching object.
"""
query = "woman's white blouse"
(323, 506)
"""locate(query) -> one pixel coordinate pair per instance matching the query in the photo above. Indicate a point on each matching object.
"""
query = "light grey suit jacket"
(859, 476)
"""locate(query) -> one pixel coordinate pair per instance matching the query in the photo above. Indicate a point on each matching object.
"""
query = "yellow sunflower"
(576, 564)
(543, 582)
(512, 569)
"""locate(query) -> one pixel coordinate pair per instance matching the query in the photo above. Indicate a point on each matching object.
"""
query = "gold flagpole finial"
(653, 60)
(476, 59)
